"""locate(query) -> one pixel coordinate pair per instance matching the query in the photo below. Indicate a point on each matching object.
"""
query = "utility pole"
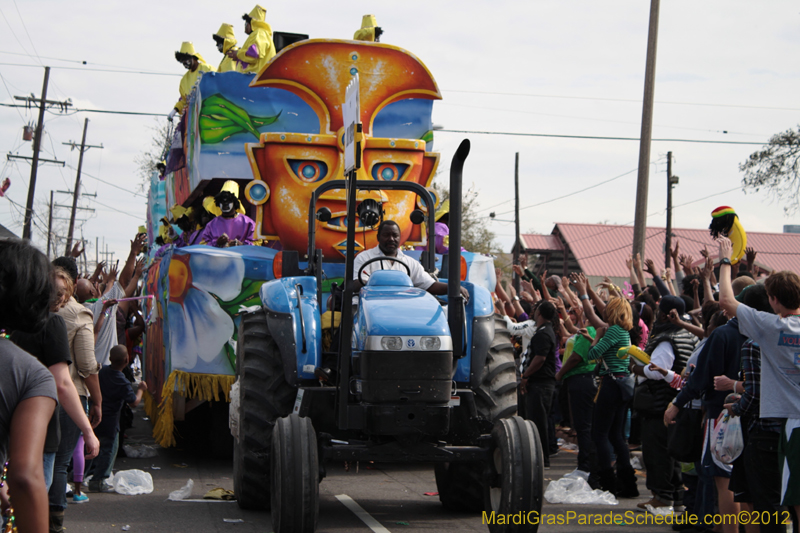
(50, 225)
(517, 242)
(640, 221)
(37, 143)
(76, 192)
(671, 182)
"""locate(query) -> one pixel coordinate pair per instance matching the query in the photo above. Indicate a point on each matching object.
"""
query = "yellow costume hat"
(233, 188)
(367, 31)
(178, 211)
(444, 208)
(187, 49)
(226, 37)
(226, 32)
(210, 206)
(259, 14)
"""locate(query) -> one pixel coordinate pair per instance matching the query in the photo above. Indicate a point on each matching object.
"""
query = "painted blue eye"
(309, 171)
(388, 171)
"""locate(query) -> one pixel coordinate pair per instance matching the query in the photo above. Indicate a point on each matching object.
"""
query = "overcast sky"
(726, 71)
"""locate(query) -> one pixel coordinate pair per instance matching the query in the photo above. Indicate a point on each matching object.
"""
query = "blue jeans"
(48, 461)
(104, 462)
(69, 438)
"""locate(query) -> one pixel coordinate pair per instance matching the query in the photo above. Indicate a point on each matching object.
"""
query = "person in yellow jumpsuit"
(195, 66)
(226, 40)
(370, 31)
(258, 49)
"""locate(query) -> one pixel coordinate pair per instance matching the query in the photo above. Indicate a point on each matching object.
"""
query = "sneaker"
(99, 487)
(80, 498)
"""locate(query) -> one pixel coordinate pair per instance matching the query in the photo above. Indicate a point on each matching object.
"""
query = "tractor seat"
(394, 278)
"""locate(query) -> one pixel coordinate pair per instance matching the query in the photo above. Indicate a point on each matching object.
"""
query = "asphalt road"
(392, 494)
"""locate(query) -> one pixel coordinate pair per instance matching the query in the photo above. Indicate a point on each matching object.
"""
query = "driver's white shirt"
(419, 277)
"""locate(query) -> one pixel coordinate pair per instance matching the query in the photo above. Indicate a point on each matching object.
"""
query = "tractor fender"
(480, 332)
(293, 319)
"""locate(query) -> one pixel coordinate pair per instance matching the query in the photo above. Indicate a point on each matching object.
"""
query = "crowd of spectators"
(64, 352)
(616, 369)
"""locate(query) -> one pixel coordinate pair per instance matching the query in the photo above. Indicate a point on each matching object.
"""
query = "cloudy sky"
(726, 71)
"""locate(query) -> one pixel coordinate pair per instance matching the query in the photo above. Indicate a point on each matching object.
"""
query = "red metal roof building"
(601, 250)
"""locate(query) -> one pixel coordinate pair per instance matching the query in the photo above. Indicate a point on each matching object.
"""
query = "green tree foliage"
(776, 169)
(475, 233)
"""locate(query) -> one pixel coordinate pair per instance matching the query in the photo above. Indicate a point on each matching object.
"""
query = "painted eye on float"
(388, 171)
(308, 171)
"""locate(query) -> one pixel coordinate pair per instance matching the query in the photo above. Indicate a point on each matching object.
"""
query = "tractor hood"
(406, 312)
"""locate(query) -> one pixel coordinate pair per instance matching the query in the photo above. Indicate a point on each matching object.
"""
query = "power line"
(573, 117)
(572, 193)
(117, 210)
(26, 32)
(75, 111)
(621, 100)
(84, 173)
(149, 73)
(596, 137)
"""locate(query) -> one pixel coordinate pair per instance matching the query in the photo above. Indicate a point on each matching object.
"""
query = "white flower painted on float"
(199, 327)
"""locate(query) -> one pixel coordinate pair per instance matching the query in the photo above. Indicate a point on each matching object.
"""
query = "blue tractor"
(418, 380)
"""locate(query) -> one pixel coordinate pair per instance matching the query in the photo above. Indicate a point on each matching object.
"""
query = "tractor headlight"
(430, 344)
(392, 343)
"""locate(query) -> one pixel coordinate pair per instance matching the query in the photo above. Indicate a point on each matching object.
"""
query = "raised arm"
(582, 285)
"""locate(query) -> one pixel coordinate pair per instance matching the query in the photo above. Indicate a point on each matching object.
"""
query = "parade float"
(278, 135)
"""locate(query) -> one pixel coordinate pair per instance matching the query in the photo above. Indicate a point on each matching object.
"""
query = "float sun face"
(293, 165)
(288, 167)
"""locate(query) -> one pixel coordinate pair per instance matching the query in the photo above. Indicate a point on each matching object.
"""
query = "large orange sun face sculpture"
(288, 167)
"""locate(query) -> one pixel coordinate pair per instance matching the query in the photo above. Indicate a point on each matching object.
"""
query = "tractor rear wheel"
(496, 397)
(264, 396)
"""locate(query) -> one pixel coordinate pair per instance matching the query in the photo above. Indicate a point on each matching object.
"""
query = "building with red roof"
(600, 250)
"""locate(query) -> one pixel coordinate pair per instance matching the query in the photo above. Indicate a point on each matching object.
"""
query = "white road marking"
(365, 517)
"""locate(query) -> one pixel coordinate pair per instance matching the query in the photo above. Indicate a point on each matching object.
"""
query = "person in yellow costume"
(370, 31)
(195, 66)
(258, 49)
(226, 41)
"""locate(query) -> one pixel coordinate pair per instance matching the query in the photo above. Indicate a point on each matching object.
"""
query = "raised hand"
(112, 274)
(137, 243)
(674, 251)
(650, 268)
(518, 270)
(750, 257)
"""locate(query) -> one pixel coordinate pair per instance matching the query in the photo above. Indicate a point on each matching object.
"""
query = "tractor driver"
(389, 246)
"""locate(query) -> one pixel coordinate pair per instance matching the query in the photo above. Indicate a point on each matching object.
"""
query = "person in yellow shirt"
(226, 40)
(195, 66)
(258, 49)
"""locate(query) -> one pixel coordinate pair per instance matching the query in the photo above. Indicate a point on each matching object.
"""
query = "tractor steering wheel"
(380, 258)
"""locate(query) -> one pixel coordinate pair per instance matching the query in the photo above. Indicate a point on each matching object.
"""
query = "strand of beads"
(11, 526)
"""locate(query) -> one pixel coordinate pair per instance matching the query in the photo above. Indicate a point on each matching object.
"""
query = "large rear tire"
(264, 396)
(496, 397)
(516, 483)
(295, 476)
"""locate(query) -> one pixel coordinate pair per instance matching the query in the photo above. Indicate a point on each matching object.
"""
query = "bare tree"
(155, 152)
(776, 169)
(475, 233)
